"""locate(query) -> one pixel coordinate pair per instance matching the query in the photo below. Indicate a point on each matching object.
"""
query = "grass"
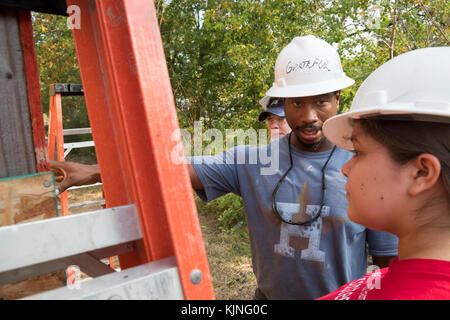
(229, 259)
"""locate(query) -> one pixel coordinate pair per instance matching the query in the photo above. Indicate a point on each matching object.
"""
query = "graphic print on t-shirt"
(290, 235)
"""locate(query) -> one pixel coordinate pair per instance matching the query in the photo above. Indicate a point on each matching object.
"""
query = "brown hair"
(406, 140)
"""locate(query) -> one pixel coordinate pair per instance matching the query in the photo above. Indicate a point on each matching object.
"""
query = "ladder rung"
(70, 132)
(155, 280)
(74, 145)
(31, 243)
(92, 268)
(85, 186)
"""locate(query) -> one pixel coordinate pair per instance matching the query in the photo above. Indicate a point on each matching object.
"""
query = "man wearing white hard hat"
(303, 245)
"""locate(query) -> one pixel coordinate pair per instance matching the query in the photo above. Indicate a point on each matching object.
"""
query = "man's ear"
(425, 172)
(338, 96)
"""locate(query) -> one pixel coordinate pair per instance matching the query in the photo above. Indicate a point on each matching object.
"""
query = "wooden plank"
(24, 199)
(32, 286)
(17, 156)
(33, 90)
(27, 198)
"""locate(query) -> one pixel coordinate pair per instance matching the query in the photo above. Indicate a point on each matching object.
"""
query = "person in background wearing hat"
(275, 119)
(303, 244)
(399, 177)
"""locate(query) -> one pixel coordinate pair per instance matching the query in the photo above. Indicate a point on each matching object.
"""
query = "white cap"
(414, 86)
(307, 66)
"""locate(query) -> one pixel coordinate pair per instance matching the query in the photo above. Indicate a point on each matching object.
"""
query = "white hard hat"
(412, 86)
(307, 66)
(265, 102)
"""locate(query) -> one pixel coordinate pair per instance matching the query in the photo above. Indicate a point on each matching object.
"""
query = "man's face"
(306, 115)
(278, 126)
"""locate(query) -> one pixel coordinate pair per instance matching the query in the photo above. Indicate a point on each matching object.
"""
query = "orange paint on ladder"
(56, 141)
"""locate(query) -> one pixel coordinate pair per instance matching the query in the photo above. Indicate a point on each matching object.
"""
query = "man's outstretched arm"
(70, 174)
(195, 180)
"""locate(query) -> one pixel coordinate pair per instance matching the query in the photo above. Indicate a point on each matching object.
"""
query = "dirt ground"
(228, 256)
(229, 260)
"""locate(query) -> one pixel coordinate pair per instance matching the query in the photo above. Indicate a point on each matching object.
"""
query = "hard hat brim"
(338, 129)
(265, 102)
(312, 89)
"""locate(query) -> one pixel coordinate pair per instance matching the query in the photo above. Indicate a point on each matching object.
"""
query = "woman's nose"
(346, 168)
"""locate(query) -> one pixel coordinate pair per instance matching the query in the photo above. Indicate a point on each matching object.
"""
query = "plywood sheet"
(27, 198)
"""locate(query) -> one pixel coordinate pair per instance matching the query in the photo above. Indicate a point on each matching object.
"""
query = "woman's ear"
(425, 171)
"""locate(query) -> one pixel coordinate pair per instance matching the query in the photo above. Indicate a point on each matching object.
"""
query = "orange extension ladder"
(150, 219)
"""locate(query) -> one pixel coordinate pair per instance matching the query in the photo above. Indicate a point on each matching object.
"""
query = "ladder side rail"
(107, 129)
(124, 38)
(51, 145)
(60, 149)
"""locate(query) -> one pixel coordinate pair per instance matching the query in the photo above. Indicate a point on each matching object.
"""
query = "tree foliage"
(58, 63)
(220, 53)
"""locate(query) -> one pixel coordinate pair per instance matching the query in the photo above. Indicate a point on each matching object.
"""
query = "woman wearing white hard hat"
(399, 177)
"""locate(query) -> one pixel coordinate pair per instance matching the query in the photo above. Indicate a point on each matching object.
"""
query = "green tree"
(221, 53)
(57, 62)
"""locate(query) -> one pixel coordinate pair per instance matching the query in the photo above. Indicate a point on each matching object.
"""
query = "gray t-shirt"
(289, 261)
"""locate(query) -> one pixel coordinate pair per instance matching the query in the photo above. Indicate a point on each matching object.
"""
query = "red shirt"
(409, 279)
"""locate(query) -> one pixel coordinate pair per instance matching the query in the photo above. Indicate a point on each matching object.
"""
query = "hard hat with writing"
(307, 66)
(412, 86)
